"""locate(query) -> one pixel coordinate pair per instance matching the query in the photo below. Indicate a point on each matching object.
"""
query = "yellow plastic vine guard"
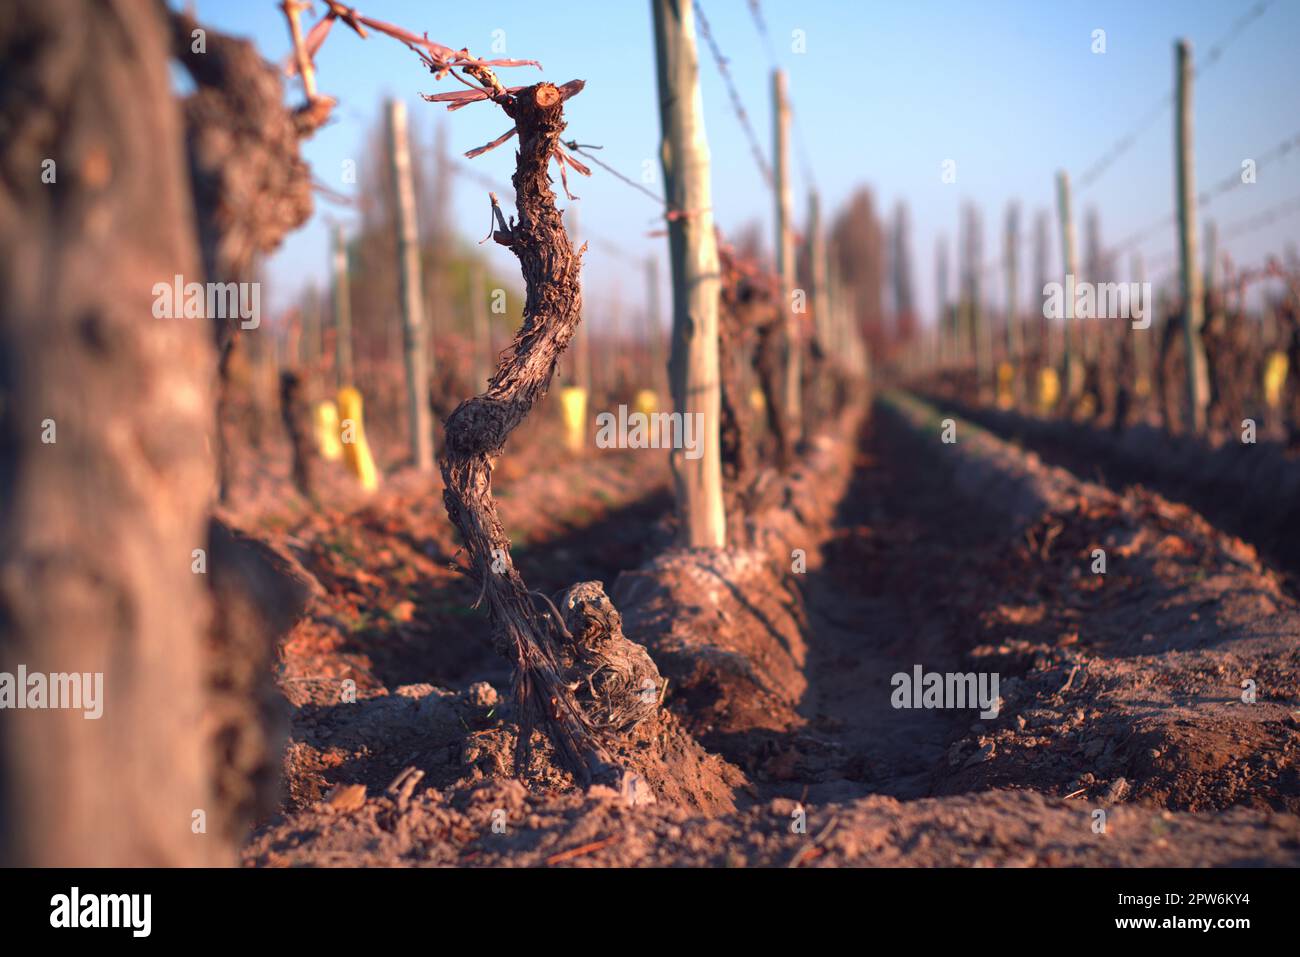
(327, 430)
(574, 401)
(1049, 388)
(352, 436)
(1275, 372)
(646, 402)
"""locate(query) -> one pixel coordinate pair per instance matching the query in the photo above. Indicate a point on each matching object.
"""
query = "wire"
(801, 146)
(1205, 198)
(583, 151)
(1241, 227)
(756, 14)
(1234, 180)
(737, 106)
(1212, 57)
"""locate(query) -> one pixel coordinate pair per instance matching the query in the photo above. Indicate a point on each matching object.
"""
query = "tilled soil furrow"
(1119, 707)
(1143, 654)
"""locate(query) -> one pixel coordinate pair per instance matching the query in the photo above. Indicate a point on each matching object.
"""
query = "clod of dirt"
(346, 797)
(614, 680)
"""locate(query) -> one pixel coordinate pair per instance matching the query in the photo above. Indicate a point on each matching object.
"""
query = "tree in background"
(857, 250)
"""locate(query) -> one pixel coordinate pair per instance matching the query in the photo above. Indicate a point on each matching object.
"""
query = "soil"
(1248, 488)
(1122, 738)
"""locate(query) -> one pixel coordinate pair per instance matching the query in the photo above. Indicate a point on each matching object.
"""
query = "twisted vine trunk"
(476, 433)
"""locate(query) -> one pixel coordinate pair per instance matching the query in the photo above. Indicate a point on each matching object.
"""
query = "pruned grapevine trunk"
(526, 628)
(295, 411)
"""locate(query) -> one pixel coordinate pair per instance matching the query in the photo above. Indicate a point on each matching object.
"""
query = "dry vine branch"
(441, 60)
(477, 431)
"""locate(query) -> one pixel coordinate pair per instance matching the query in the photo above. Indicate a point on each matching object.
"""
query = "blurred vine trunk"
(98, 527)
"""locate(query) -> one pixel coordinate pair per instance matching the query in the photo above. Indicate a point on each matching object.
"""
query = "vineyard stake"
(1141, 350)
(785, 258)
(654, 331)
(981, 333)
(483, 355)
(1015, 334)
(580, 369)
(941, 324)
(408, 267)
(1193, 306)
(1047, 351)
(693, 367)
(342, 311)
(1071, 354)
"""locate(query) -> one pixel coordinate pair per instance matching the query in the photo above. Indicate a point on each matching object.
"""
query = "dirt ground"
(1121, 740)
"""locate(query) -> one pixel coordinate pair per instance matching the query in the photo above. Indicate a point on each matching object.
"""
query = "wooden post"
(436, 228)
(1015, 340)
(1015, 331)
(1141, 342)
(785, 261)
(961, 304)
(959, 319)
(611, 345)
(484, 362)
(981, 337)
(693, 367)
(342, 311)
(1211, 279)
(1193, 306)
(817, 267)
(1046, 341)
(309, 343)
(483, 358)
(575, 397)
(581, 368)
(654, 330)
(408, 268)
(1071, 370)
(941, 325)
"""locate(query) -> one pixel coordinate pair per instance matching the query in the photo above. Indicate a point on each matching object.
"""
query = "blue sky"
(884, 94)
